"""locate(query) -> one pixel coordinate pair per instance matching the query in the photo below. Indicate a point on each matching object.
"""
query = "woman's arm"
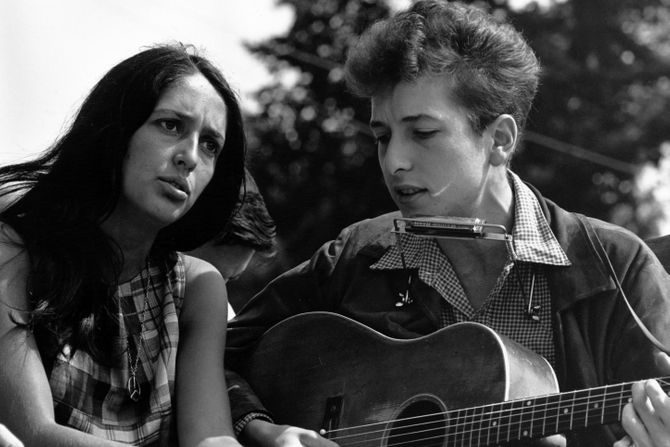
(301, 289)
(26, 407)
(7, 438)
(203, 412)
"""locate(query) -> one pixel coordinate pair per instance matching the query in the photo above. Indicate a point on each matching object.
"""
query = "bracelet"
(241, 423)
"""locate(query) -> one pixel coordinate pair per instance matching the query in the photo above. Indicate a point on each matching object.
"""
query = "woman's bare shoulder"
(205, 289)
(197, 270)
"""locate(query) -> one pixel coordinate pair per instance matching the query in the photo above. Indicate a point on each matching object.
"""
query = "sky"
(54, 51)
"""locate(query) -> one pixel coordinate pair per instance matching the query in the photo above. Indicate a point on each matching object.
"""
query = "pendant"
(404, 299)
(133, 388)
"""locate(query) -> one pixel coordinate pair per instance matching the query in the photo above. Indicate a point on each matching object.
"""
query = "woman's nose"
(186, 156)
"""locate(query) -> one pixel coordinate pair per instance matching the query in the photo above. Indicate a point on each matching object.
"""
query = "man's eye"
(424, 134)
(381, 139)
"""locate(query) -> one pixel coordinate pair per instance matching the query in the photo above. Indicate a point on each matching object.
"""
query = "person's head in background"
(250, 231)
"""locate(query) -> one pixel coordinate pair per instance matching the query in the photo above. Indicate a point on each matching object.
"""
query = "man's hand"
(647, 418)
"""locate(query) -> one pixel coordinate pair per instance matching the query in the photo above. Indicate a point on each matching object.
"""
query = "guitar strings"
(512, 413)
(438, 424)
(614, 401)
(491, 438)
(451, 435)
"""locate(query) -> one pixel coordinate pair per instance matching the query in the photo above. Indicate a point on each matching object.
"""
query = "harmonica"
(451, 227)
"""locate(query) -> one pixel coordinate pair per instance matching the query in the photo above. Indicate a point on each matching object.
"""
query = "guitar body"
(324, 371)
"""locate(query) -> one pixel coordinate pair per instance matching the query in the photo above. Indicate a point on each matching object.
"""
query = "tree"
(605, 91)
(310, 148)
(605, 88)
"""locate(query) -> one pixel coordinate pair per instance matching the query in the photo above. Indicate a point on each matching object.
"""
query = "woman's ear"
(504, 134)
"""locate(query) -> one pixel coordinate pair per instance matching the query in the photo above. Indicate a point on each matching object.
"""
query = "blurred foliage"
(605, 89)
(310, 148)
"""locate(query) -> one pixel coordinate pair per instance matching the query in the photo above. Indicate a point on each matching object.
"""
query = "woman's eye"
(169, 125)
(212, 147)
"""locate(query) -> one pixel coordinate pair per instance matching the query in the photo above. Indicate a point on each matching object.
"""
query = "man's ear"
(504, 134)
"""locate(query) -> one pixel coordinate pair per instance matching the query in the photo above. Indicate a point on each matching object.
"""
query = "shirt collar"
(532, 237)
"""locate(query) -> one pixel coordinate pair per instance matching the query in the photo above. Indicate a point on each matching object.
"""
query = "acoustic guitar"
(464, 385)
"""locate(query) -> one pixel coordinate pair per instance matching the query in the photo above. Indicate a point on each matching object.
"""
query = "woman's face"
(172, 156)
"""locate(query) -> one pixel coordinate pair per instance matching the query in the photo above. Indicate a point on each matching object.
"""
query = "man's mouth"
(408, 191)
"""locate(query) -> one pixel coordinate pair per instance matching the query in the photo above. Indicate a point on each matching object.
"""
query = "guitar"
(464, 385)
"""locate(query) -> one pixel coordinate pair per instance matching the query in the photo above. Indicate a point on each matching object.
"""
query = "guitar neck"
(541, 416)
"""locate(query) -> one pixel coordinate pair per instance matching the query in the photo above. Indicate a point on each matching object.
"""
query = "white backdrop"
(54, 51)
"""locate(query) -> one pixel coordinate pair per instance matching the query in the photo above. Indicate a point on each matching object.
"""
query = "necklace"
(134, 390)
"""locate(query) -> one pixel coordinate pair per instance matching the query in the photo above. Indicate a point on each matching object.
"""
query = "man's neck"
(478, 264)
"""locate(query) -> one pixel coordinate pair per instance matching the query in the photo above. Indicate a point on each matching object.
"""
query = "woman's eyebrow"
(189, 117)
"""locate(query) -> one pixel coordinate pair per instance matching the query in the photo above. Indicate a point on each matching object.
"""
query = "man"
(450, 90)
(251, 231)
(661, 247)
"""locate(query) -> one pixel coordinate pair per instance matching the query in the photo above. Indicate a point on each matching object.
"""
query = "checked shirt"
(505, 308)
(93, 398)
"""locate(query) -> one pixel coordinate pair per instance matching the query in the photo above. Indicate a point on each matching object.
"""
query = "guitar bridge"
(331, 417)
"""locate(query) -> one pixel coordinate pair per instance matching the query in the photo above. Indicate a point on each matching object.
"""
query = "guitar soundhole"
(420, 424)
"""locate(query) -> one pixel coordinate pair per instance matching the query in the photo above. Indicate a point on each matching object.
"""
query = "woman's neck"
(134, 243)
(133, 264)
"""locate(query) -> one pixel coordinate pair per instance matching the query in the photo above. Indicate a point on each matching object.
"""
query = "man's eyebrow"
(417, 117)
(375, 123)
(405, 119)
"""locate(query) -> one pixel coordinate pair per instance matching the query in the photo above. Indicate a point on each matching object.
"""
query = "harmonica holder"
(452, 227)
(446, 227)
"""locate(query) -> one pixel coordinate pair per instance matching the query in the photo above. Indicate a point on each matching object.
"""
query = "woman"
(95, 295)
(7, 438)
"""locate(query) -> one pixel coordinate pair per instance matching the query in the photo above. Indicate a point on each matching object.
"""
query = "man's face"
(433, 162)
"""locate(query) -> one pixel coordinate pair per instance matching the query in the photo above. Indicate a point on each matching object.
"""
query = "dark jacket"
(596, 338)
(661, 248)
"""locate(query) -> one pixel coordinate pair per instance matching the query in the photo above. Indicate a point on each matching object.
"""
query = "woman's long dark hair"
(68, 191)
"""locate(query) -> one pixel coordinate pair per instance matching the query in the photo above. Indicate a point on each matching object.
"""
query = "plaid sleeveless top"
(94, 398)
